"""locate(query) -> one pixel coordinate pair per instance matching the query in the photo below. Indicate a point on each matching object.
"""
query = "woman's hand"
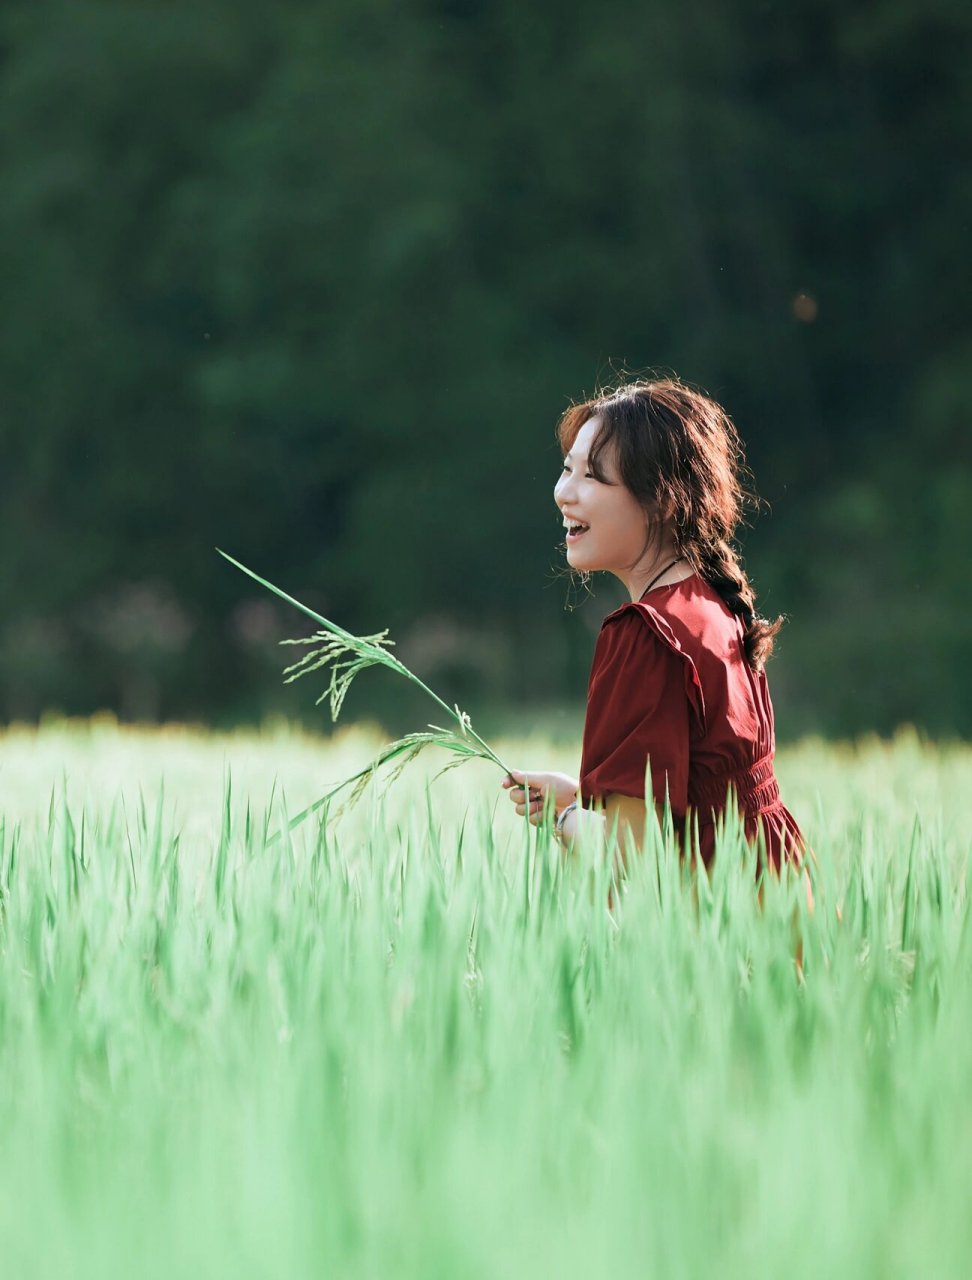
(529, 790)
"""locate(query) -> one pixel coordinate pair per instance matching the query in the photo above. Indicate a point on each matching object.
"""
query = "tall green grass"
(417, 1042)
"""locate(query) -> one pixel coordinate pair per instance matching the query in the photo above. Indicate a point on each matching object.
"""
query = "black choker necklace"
(657, 576)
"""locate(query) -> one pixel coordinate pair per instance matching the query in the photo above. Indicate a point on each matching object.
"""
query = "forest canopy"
(314, 281)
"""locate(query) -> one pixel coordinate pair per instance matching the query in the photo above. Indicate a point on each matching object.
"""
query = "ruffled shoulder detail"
(662, 629)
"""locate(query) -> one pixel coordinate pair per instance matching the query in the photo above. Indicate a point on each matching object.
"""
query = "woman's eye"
(588, 475)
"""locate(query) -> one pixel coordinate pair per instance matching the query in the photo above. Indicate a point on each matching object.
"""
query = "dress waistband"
(755, 788)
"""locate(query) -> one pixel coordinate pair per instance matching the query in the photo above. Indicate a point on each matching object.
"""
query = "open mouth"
(575, 531)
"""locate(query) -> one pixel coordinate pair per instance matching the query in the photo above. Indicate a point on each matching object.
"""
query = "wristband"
(561, 819)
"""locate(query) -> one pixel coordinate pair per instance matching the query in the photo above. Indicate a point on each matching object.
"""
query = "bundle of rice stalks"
(343, 656)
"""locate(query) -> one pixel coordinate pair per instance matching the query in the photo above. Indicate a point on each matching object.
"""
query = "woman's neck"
(664, 569)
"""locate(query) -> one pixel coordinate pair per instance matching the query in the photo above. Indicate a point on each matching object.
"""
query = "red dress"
(670, 688)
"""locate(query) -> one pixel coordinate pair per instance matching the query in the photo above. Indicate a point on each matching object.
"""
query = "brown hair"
(679, 453)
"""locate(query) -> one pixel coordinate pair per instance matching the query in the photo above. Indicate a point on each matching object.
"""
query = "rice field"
(415, 1041)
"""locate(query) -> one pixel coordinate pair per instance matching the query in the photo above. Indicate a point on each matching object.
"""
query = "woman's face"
(615, 525)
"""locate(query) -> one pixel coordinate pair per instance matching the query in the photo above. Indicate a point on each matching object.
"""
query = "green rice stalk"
(343, 656)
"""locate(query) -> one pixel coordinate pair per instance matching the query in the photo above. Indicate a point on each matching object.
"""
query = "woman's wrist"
(560, 824)
(572, 819)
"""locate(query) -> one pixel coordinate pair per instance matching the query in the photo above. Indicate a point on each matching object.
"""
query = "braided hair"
(680, 455)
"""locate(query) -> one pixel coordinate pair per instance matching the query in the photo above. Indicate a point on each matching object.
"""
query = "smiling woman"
(606, 524)
(651, 492)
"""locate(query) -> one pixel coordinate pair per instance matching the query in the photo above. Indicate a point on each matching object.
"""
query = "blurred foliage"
(313, 282)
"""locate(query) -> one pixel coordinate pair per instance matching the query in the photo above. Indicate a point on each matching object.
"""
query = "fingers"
(519, 795)
(535, 806)
(535, 815)
(517, 784)
(529, 799)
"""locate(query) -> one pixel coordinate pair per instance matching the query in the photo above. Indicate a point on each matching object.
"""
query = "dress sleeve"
(641, 698)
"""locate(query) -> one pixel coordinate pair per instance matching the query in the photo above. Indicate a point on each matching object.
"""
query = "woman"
(651, 492)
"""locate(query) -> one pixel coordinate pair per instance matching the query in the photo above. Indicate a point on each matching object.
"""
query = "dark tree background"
(313, 282)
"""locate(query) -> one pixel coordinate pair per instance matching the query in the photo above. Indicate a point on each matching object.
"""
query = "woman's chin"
(579, 562)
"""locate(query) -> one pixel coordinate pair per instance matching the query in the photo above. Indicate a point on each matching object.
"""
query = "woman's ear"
(665, 507)
(660, 513)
